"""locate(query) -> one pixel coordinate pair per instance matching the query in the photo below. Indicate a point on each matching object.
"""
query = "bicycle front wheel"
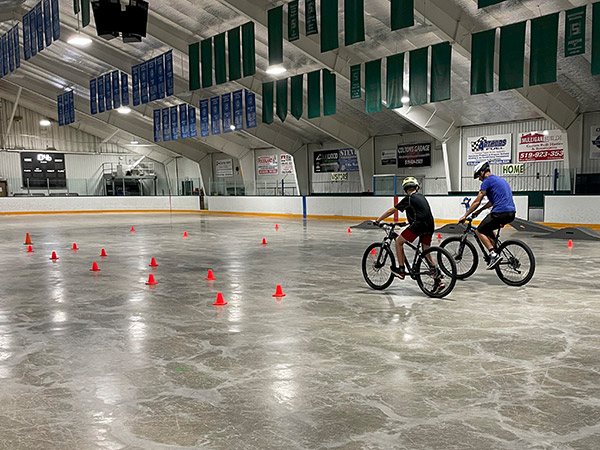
(377, 266)
(518, 263)
(435, 272)
(465, 257)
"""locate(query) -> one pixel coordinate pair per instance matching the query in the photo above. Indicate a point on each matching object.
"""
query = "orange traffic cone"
(132, 229)
(95, 267)
(74, 246)
(153, 263)
(374, 252)
(278, 292)
(264, 241)
(210, 275)
(29, 249)
(349, 231)
(185, 234)
(151, 281)
(27, 240)
(570, 244)
(103, 253)
(54, 257)
(276, 227)
(220, 301)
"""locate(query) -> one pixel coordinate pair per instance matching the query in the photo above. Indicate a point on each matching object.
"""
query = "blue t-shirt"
(498, 192)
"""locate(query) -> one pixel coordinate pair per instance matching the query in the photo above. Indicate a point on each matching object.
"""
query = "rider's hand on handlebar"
(462, 219)
(475, 214)
(376, 223)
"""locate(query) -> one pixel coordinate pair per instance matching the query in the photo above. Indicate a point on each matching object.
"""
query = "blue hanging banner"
(26, 38)
(152, 79)
(226, 108)
(116, 89)
(165, 125)
(160, 75)
(135, 84)
(238, 110)
(71, 98)
(93, 97)
(215, 117)
(4, 41)
(169, 72)
(16, 46)
(174, 124)
(39, 22)
(204, 126)
(108, 91)
(192, 121)
(11, 51)
(33, 32)
(183, 121)
(55, 20)
(157, 125)
(100, 94)
(250, 110)
(144, 82)
(124, 89)
(47, 22)
(61, 111)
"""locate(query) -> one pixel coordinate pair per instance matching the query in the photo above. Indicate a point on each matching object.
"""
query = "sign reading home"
(513, 169)
(414, 155)
(541, 146)
(43, 170)
(494, 149)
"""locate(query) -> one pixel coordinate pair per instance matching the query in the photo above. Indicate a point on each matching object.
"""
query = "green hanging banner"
(248, 52)
(194, 65)
(206, 59)
(281, 88)
(293, 22)
(354, 21)
(596, 39)
(85, 13)
(297, 94)
(329, 93)
(441, 61)
(310, 12)
(575, 31)
(329, 25)
(314, 94)
(373, 86)
(402, 14)
(220, 65)
(76, 6)
(355, 91)
(482, 61)
(512, 56)
(484, 3)
(275, 25)
(234, 55)
(418, 77)
(394, 87)
(267, 104)
(544, 48)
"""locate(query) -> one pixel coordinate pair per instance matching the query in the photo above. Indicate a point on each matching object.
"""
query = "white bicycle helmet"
(483, 166)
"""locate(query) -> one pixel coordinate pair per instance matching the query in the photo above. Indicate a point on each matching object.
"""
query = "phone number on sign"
(542, 155)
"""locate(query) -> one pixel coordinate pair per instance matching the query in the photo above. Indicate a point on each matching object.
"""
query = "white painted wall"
(584, 209)
(262, 205)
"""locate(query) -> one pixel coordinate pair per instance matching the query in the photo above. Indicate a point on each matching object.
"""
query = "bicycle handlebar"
(393, 224)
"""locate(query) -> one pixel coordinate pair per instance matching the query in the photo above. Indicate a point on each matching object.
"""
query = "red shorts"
(410, 236)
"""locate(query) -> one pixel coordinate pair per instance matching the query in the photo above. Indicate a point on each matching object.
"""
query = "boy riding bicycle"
(503, 212)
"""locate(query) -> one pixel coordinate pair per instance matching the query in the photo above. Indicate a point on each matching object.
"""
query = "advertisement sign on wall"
(287, 163)
(541, 146)
(595, 142)
(513, 169)
(414, 155)
(494, 149)
(224, 168)
(342, 160)
(388, 157)
(267, 165)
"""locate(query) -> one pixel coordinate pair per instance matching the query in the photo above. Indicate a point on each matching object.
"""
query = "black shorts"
(493, 221)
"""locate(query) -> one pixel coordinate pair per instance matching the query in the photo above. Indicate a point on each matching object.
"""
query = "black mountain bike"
(516, 268)
(434, 269)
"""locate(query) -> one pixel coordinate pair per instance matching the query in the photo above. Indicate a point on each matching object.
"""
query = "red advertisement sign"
(541, 146)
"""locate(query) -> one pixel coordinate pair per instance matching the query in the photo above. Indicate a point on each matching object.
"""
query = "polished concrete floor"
(103, 361)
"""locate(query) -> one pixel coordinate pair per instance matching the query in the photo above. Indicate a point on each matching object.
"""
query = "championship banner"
(250, 110)
(215, 117)
(47, 22)
(183, 121)
(169, 72)
(116, 89)
(152, 79)
(494, 149)
(192, 121)
(4, 42)
(11, 50)
(33, 32)
(157, 125)
(143, 68)
(226, 111)
(55, 19)
(160, 75)
(61, 111)
(595, 142)
(326, 161)
(293, 22)
(541, 146)
(39, 23)
(204, 126)
(135, 84)
(100, 83)
(267, 165)
(108, 92)
(414, 155)
(93, 97)
(166, 125)
(124, 89)
(575, 31)
(71, 104)
(310, 15)
(16, 46)
(238, 110)
(174, 124)
(348, 160)
(26, 38)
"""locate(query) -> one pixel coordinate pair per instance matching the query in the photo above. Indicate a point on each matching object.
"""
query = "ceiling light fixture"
(276, 70)
(232, 127)
(134, 142)
(45, 122)
(79, 40)
(124, 110)
(405, 99)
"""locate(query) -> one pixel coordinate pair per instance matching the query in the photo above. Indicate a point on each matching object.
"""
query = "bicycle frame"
(471, 230)
(387, 242)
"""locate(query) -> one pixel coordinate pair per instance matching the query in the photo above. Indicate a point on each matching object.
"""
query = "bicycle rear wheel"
(435, 280)
(518, 263)
(376, 267)
(466, 257)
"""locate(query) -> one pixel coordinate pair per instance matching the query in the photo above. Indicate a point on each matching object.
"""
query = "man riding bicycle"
(418, 214)
(503, 212)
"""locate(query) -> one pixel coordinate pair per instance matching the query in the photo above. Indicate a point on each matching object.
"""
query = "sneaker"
(399, 272)
(438, 285)
(494, 261)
